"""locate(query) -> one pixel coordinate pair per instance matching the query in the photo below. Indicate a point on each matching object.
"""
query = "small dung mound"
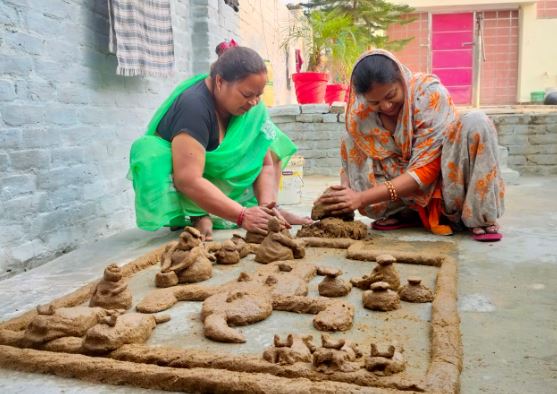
(334, 228)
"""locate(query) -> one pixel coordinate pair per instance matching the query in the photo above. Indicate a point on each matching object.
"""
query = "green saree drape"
(233, 167)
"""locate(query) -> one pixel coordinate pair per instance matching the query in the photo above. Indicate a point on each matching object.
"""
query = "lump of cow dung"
(414, 291)
(319, 211)
(112, 291)
(228, 253)
(381, 297)
(334, 228)
(332, 285)
(384, 271)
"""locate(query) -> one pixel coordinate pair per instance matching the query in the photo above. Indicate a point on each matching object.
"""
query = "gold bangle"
(393, 195)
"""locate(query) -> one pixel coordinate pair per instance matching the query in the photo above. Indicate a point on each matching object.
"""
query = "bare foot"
(292, 218)
(205, 226)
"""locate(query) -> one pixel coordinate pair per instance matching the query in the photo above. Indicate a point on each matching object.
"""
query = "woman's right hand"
(256, 219)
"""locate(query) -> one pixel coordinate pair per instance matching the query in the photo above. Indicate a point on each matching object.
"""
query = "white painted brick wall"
(67, 121)
(66, 125)
(531, 138)
(260, 24)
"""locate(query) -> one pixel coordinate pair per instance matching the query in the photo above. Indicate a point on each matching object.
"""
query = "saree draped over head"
(429, 129)
(233, 167)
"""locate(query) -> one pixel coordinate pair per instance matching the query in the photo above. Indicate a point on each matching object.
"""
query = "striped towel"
(141, 37)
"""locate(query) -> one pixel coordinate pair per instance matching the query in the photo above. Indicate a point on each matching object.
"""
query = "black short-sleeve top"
(193, 112)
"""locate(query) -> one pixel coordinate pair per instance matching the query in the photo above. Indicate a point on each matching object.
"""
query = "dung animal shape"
(385, 363)
(332, 285)
(198, 266)
(51, 323)
(251, 297)
(185, 261)
(228, 253)
(257, 238)
(336, 355)
(381, 297)
(414, 291)
(190, 238)
(112, 291)
(384, 271)
(279, 245)
(247, 303)
(115, 331)
(295, 349)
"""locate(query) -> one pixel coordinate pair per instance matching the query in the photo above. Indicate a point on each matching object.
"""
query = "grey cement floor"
(507, 297)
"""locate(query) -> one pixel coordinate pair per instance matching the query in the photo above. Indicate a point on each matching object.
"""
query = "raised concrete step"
(510, 176)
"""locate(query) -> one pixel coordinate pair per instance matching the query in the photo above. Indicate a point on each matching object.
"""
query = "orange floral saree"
(469, 187)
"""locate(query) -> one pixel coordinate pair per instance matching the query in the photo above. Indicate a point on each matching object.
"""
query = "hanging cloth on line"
(141, 37)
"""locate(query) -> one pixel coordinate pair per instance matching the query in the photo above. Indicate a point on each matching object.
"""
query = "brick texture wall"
(415, 54)
(261, 25)
(316, 131)
(67, 120)
(547, 9)
(499, 71)
(531, 139)
(66, 125)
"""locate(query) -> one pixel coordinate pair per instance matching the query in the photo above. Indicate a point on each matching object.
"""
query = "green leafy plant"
(337, 32)
(375, 16)
(327, 35)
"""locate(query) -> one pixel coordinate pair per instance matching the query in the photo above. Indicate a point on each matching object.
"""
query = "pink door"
(452, 53)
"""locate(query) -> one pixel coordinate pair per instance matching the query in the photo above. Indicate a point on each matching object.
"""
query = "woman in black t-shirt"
(226, 154)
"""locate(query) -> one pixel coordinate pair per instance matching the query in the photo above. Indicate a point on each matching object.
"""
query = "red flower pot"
(310, 87)
(335, 92)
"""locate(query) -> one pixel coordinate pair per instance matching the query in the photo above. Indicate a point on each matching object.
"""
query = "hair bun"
(225, 45)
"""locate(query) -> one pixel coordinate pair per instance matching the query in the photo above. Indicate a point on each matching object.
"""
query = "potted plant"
(356, 26)
(343, 49)
(314, 29)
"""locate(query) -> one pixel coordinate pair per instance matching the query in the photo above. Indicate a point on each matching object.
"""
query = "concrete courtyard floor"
(507, 293)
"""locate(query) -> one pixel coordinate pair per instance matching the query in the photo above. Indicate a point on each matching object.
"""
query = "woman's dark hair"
(237, 63)
(372, 70)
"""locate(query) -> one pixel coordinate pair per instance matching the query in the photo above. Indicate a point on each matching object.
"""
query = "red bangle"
(240, 219)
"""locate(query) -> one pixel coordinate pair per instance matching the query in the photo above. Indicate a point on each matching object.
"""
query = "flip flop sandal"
(487, 237)
(397, 226)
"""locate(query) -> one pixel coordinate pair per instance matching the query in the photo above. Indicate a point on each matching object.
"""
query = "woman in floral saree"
(409, 158)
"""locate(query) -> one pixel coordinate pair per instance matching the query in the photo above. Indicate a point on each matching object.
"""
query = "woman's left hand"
(341, 200)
